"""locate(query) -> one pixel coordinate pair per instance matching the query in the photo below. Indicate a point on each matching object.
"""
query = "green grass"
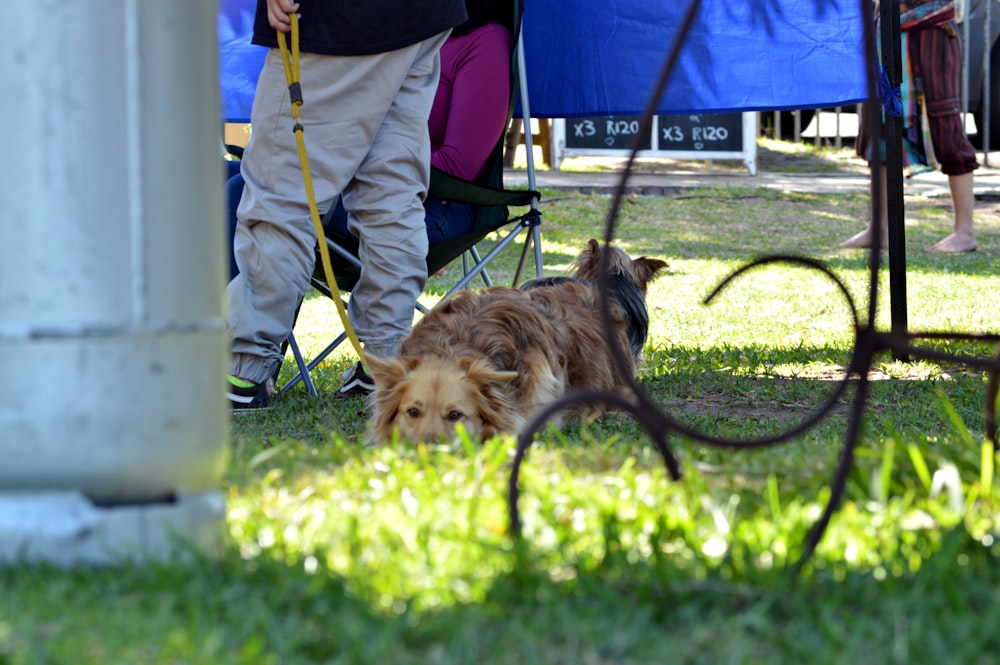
(341, 553)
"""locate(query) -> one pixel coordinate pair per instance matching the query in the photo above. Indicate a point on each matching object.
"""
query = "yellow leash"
(295, 91)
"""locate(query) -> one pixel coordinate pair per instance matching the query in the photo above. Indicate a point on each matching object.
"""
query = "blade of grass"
(987, 468)
(954, 417)
(919, 464)
(773, 499)
(885, 469)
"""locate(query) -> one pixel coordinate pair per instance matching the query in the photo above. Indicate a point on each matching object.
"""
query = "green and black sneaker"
(248, 396)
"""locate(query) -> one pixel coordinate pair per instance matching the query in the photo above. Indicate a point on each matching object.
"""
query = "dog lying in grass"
(492, 359)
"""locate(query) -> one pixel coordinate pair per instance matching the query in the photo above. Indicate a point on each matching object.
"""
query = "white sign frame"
(748, 153)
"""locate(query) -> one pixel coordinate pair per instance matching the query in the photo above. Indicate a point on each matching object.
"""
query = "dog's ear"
(645, 270)
(591, 256)
(386, 372)
(483, 375)
(495, 406)
(585, 265)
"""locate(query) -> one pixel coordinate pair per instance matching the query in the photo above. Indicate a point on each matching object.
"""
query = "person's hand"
(278, 14)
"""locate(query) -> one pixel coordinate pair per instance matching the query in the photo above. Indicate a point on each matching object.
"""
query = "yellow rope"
(292, 72)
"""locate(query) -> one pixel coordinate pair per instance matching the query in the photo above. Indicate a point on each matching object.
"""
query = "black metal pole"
(893, 131)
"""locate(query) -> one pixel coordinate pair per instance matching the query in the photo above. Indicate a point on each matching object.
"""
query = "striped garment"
(933, 131)
(917, 15)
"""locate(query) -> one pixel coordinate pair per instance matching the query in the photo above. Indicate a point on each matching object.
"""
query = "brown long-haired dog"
(491, 359)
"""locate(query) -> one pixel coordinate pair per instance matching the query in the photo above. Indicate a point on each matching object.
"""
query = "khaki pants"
(365, 120)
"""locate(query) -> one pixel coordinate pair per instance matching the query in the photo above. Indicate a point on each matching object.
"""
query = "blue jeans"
(444, 219)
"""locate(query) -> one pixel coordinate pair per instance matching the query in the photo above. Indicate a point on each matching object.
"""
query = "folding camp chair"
(492, 202)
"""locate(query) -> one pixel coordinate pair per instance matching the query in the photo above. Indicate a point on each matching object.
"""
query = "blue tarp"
(603, 57)
(240, 61)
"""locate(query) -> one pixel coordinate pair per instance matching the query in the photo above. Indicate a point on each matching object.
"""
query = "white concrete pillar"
(112, 340)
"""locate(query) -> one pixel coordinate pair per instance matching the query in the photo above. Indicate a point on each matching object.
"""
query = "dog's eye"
(454, 416)
(413, 412)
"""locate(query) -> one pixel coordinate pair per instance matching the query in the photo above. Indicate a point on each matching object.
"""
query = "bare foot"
(956, 243)
(862, 239)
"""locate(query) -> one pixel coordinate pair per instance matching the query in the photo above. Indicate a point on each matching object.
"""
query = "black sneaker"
(248, 396)
(357, 383)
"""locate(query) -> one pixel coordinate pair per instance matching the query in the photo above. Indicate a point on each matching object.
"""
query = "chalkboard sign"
(691, 136)
(606, 133)
(716, 132)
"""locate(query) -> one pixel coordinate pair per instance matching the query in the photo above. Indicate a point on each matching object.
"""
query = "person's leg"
(963, 238)
(939, 56)
(863, 147)
(864, 238)
(336, 222)
(232, 193)
(448, 219)
(275, 237)
(385, 209)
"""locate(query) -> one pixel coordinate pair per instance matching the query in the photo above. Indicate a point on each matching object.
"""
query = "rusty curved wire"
(868, 343)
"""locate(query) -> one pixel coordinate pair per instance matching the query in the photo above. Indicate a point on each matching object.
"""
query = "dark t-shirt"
(363, 27)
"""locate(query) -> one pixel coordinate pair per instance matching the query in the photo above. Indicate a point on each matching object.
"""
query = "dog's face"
(425, 398)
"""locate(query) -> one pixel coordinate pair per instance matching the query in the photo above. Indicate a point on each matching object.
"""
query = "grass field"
(341, 553)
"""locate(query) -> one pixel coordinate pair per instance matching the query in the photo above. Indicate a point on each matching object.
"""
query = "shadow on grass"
(932, 597)
(749, 390)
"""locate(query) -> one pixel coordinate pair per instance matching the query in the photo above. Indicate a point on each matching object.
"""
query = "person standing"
(369, 72)
(469, 114)
(931, 91)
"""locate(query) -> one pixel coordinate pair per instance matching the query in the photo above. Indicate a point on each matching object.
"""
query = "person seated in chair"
(468, 116)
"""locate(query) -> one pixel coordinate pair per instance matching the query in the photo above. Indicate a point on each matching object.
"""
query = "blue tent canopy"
(602, 57)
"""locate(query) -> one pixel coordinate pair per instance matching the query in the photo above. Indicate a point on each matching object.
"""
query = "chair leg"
(522, 261)
(493, 253)
(303, 369)
(474, 253)
(536, 237)
(303, 375)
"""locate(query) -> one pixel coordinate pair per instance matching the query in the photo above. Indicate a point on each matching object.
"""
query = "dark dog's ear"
(645, 270)
(585, 265)
(386, 372)
(591, 256)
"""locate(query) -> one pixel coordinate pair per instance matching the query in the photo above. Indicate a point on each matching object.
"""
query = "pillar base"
(67, 529)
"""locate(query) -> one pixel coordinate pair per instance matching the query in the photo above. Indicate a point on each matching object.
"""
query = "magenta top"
(470, 106)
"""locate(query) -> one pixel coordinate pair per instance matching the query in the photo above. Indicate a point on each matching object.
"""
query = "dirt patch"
(988, 207)
(726, 407)
(805, 159)
(742, 406)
